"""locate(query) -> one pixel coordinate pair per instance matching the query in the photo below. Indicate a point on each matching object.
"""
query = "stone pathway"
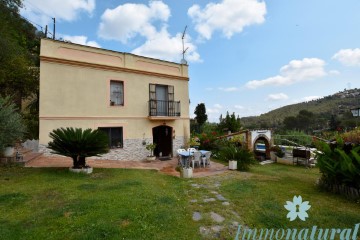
(212, 210)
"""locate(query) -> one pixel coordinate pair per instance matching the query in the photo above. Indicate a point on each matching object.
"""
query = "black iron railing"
(164, 108)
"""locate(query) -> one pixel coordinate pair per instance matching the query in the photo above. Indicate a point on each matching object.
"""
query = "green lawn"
(144, 204)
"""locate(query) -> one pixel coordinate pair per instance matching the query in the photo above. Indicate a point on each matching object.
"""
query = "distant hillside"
(338, 104)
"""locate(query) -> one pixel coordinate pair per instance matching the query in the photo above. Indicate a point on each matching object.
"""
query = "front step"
(31, 156)
(266, 162)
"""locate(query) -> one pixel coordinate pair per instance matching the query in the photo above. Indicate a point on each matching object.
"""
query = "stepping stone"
(204, 231)
(193, 200)
(220, 197)
(216, 217)
(216, 228)
(196, 216)
(226, 203)
(235, 224)
(195, 185)
(209, 199)
(214, 192)
(217, 185)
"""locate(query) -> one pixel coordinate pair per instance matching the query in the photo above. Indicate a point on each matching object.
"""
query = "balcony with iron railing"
(164, 110)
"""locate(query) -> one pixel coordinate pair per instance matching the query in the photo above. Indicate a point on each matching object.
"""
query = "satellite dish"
(183, 61)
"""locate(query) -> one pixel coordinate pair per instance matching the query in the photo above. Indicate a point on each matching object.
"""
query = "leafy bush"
(243, 156)
(278, 151)
(208, 141)
(78, 144)
(352, 136)
(11, 127)
(339, 163)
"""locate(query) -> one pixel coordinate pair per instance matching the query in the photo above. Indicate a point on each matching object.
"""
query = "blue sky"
(244, 56)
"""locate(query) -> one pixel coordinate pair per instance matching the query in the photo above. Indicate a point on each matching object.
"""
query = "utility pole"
(46, 31)
(54, 29)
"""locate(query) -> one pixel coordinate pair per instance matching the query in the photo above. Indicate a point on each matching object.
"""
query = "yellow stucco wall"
(75, 86)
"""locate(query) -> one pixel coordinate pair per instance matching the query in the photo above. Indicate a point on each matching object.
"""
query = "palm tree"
(78, 144)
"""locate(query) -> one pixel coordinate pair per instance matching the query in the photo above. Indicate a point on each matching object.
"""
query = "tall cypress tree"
(200, 112)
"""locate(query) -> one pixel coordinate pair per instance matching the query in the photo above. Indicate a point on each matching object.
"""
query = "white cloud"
(239, 107)
(229, 89)
(348, 57)
(80, 40)
(161, 45)
(228, 16)
(218, 106)
(310, 98)
(215, 109)
(334, 72)
(130, 20)
(296, 71)
(41, 11)
(212, 110)
(277, 97)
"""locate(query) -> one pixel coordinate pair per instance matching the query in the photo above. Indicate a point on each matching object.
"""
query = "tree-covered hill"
(337, 105)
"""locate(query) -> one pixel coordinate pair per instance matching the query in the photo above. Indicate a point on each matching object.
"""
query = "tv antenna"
(183, 61)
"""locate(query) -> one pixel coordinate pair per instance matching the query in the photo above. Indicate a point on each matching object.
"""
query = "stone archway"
(263, 139)
(262, 146)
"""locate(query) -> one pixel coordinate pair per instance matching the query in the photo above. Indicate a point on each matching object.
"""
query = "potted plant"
(229, 153)
(151, 147)
(239, 158)
(187, 172)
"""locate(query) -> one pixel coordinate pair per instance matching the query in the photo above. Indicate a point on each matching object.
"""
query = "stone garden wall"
(133, 150)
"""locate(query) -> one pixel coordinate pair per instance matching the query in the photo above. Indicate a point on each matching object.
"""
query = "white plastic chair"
(196, 159)
(180, 150)
(206, 159)
(192, 150)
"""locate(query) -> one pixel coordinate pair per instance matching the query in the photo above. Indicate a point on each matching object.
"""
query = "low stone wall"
(133, 150)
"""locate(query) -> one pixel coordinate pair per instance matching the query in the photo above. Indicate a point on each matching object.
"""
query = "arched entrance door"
(162, 136)
(262, 147)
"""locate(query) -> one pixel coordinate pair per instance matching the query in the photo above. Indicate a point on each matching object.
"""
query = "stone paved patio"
(167, 167)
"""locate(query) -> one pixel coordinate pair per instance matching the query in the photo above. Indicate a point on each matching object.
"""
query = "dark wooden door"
(162, 136)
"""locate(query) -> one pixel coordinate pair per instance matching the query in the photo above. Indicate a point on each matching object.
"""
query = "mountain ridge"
(338, 104)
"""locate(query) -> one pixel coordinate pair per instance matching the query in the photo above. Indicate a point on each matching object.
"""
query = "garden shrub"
(278, 151)
(209, 141)
(12, 127)
(243, 156)
(78, 144)
(339, 163)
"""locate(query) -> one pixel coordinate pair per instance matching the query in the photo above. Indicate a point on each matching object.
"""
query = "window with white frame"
(116, 93)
